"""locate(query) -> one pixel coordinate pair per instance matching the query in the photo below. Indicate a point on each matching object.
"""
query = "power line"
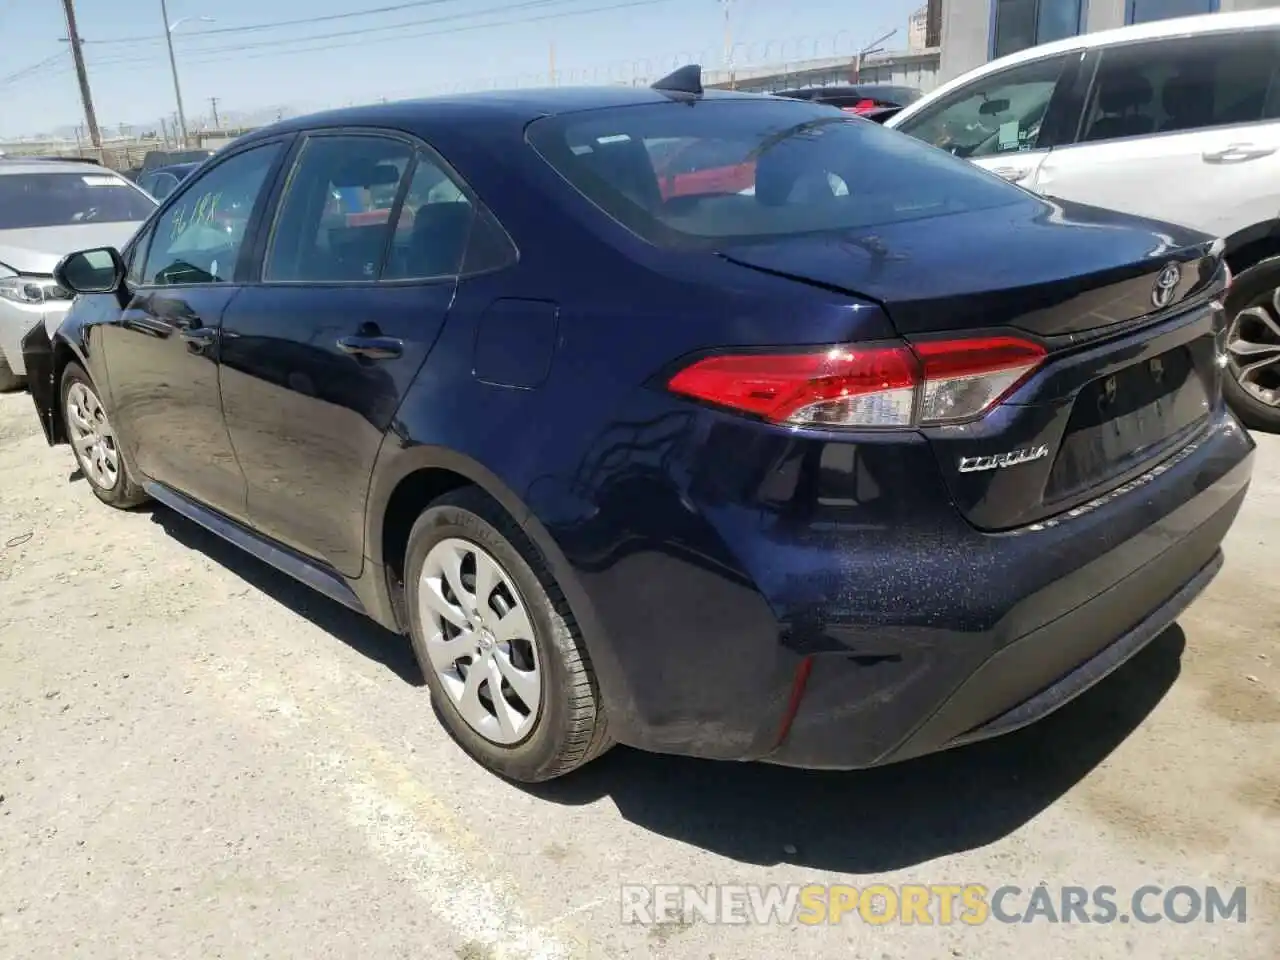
(302, 21)
(30, 70)
(364, 31)
(427, 33)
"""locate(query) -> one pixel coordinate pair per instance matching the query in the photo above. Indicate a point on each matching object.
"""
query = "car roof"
(18, 165)
(499, 107)
(185, 167)
(1157, 30)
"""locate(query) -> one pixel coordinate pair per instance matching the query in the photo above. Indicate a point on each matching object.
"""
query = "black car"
(875, 457)
(162, 181)
(875, 101)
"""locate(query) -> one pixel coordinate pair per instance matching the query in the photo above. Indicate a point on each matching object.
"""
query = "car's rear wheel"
(95, 443)
(8, 379)
(507, 668)
(1252, 386)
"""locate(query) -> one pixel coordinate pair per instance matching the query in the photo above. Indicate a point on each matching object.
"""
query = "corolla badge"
(1166, 286)
(998, 461)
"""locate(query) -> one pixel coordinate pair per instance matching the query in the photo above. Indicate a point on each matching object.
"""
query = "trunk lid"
(1047, 267)
(1121, 305)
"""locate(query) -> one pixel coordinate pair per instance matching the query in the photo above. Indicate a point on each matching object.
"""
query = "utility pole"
(727, 6)
(164, 131)
(551, 64)
(77, 53)
(213, 104)
(173, 68)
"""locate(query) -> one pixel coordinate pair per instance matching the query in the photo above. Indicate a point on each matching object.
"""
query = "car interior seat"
(1124, 100)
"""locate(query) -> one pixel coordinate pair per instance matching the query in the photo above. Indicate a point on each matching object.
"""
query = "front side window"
(791, 168)
(1183, 83)
(61, 199)
(198, 239)
(1027, 23)
(335, 219)
(996, 114)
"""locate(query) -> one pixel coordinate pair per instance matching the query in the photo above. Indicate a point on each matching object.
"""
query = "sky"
(408, 49)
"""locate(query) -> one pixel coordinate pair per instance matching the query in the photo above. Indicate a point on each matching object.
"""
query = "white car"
(1178, 120)
(49, 208)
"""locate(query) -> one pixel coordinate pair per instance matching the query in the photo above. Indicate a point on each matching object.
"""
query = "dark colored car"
(877, 101)
(162, 181)
(882, 456)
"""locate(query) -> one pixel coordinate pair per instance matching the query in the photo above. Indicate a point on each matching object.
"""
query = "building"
(917, 30)
(975, 31)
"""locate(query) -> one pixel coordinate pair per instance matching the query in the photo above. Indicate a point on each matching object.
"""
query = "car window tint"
(996, 114)
(1185, 83)
(335, 218)
(432, 230)
(198, 239)
(794, 168)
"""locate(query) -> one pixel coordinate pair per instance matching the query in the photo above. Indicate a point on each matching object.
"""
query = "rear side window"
(335, 219)
(775, 168)
(1184, 83)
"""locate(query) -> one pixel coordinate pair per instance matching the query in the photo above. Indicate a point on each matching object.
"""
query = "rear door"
(1007, 121)
(1184, 129)
(319, 353)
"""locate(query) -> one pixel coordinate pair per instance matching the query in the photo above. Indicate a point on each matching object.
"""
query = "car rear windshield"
(708, 173)
(59, 199)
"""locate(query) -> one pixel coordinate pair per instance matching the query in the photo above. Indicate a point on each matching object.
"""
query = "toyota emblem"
(1166, 286)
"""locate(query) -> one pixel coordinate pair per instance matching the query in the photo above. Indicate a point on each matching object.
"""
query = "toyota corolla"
(880, 456)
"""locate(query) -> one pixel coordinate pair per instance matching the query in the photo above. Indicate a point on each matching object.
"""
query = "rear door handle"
(1012, 174)
(372, 348)
(1238, 153)
(198, 339)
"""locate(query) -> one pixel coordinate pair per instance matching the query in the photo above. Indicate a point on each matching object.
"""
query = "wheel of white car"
(95, 443)
(1252, 384)
(501, 652)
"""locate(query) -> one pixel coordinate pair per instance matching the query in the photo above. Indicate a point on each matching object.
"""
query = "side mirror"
(100, 270)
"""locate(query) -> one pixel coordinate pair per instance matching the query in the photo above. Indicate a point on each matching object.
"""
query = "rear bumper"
(862, 635)
(1087, 623)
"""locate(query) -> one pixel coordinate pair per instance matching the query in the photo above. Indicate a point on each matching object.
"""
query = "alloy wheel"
(479, 639)
(92, 437)
(1253, 348)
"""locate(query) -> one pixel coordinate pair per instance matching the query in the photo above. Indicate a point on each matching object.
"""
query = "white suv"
(1177, 120)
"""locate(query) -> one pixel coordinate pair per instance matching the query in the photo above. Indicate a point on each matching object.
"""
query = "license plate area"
(1132, 415)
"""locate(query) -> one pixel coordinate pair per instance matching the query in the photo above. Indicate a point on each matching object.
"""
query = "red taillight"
(850, 386)
(862, 106)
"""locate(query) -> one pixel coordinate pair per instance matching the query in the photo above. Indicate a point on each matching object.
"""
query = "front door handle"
(1238, 153)
(1012, 174)
(372, 348)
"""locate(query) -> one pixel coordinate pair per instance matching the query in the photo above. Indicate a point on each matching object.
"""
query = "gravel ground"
(201, 758)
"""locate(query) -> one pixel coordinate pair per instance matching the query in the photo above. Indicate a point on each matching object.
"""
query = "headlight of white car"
(32, 290)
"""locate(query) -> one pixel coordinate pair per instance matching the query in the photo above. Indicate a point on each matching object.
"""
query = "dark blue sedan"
(875, 456)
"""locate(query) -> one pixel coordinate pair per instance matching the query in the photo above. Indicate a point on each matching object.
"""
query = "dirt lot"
(200, 758)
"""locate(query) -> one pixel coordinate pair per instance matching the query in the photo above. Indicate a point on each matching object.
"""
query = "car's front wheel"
(499, 647)
(1252, 386)
(95, 443)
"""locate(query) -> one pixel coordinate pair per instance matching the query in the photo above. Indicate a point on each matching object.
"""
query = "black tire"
(1251, 288)
(124, 492)
(571, 727)
(9, 380)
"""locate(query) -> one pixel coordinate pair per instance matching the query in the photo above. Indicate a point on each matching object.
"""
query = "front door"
(1006, 121)
(356, 282)
(163, 351)
(1185, 130)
